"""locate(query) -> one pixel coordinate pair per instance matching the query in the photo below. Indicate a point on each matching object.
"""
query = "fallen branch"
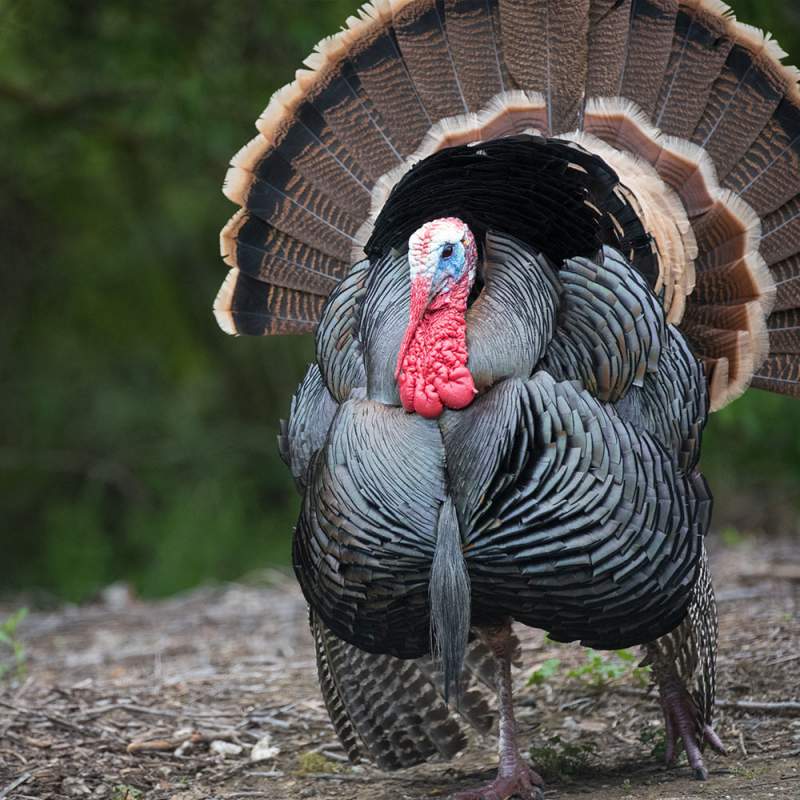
(784, 708)
(171, 743)
(787, 707)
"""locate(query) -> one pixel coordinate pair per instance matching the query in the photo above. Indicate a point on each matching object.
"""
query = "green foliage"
(598, 669)
(12, 652)
(732, 537)
(656, 739)
(558, 759)
(137, 441)
(124, 792)
(548, 669)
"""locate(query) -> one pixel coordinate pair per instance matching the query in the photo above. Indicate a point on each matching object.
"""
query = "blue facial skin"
(449, 268)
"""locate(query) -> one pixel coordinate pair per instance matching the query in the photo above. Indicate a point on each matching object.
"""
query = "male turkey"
(574, 229)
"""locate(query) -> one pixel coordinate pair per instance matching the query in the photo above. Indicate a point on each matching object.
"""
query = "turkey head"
(432, 371)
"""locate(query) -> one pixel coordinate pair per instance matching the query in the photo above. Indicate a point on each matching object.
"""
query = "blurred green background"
(137, 441)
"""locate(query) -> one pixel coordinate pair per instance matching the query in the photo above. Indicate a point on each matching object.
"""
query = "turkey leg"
(682, 725)
(514, 777)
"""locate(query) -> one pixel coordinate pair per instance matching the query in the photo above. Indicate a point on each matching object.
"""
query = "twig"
(195, 737)
(783, 660)
(273, 773)
(261, 719)
(335, 776)
(26, 776)
(787, 708)
(156, 712)
(51, 717)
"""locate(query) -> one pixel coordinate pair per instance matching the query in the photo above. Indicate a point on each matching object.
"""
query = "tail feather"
(294, 130)
(744, 96)
(648, 51)
(787, 283)
(385, 81)
(267, 254)
(700, 47)
(426, 51)
(248, 306)
(782, 232)
(609, 25)
(780, 373)
(546, 45)
(294, 207)
(768, 174)
(352, 118)
(783, 328)
(475, 47)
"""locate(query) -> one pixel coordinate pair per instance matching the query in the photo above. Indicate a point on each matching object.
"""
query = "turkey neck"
(432, 372)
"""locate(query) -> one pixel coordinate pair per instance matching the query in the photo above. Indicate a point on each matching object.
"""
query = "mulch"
(213, 694)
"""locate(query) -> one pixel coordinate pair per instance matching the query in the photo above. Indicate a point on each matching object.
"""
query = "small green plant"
(559, 759)
(732, 537)
(12, 651)
(544, 672)
(599, 670)
(312, 763)
(124, 792)
(656, 739)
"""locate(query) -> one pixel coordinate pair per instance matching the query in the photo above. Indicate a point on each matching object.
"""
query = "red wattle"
(432, 371)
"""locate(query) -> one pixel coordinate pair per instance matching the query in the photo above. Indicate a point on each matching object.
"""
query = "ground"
(125, 699)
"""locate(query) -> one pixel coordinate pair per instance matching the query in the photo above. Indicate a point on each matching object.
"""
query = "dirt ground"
(213, 695)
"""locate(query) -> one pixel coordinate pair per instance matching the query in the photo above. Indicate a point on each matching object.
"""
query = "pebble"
(264, 750)
(225, 748)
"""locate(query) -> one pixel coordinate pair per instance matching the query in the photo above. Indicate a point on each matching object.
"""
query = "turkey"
(538, 241)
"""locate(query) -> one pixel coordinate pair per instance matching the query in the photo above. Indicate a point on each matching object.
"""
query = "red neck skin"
(432, 371)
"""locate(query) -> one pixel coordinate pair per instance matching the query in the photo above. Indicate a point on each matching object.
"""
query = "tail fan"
(693, 110)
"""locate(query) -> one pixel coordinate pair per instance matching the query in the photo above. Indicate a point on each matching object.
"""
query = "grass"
(558, 760)
(312, 763)
(13, 658)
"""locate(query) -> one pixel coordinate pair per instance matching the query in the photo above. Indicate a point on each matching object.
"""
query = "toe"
(714, 741)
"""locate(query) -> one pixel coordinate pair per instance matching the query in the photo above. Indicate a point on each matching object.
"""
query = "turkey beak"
(421, 291)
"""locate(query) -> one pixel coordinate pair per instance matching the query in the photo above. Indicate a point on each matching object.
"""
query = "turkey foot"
(514, 777)
(680, 720)
(517, 781)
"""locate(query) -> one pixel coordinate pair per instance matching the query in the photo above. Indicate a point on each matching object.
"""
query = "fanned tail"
(701, 114)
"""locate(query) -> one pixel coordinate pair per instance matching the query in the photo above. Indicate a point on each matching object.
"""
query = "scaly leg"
(514, 777)
(683, 721)
(684, 665)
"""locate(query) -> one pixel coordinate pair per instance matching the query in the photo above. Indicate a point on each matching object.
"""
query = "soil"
(125, 699)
